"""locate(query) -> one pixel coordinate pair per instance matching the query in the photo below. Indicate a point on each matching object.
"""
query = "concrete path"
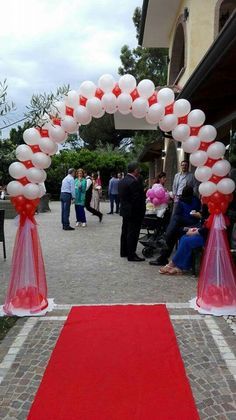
(84, 267)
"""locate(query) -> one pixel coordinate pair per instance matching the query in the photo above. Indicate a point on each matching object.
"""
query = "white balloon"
(226, 186)
(221, 168)
(181, 107)
(207, 133)
(15, 188)
(124, 103)
(181, 132)
(41, 161)
(31, 191)
(106, 83)
(69, 124)
(109, 102)
(82, 115)
(31, 136)
(102, 112)
(17, 170)
(196, 118)
(72, 99)
(23, 152)
(94, 106)
(203, 173)
(58, 108)
(207, 188)
(36, 175)
(47, 145)
(150, 121)
(216, 150)
(87, 89)
(191, 144)
(165, 96)
(198, 158)
(146, 88)
(41, 191)
(168, 122)
(57, 134)
(139, 107)
(155, 113)
(127, 83)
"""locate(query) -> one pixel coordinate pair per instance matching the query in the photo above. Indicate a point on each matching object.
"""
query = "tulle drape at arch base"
(27, 290)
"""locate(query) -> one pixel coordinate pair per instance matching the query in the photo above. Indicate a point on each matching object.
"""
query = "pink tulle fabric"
(217, 281)
(27, 290)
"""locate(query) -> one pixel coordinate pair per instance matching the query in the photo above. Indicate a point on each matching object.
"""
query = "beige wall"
(200, 32)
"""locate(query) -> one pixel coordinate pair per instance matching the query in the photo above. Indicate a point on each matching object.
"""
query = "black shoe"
(100, 217)
(136, 258)
(159, 261)
(123, 255)
(68, 228)
(110, 212)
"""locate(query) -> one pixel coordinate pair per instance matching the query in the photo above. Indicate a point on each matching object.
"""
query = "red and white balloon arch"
(126, 96)
(78, 108)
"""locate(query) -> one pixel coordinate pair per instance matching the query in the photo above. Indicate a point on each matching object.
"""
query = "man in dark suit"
(132, 201)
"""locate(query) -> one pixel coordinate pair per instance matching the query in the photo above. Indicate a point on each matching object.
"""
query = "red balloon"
(35, 148)
(99, 93)
(116, 90)
(215, 179)
(43, 132)
(28, 164)
(20, 200)
(194, 131)
(217, 198)
(153, 99)
(35, 202)
(30, 209)
(203, 146)
(210, 162)
(183, 120)
(134, 94)
(56, 121)
(223, 206)
(169, 109)
(69, 111)
(24, 180)
(82, 100)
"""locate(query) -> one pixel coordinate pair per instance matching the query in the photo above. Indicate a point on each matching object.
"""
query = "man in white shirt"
(66, 197)
(181, 179)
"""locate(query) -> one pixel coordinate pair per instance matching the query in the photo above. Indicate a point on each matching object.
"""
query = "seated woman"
(195, 237)
(182, 260)
(182, 217)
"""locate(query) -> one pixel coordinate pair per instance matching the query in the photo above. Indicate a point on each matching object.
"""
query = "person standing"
(80, 191)
(96, 193)
(88, 198)
(181, 179)
(132, 200)
(66, 197)
(113, 193)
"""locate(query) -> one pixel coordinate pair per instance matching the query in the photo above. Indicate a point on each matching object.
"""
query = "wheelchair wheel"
(147, 252)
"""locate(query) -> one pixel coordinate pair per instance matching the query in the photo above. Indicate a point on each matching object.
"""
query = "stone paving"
(84, 267)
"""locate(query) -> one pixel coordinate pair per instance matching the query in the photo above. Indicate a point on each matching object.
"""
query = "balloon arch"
(27, 291)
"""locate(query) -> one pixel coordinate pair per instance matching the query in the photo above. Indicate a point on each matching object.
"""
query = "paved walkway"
(84, 267)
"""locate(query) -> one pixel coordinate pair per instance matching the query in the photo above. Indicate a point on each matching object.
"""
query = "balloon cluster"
(158, 195)
(126, 96)
(218, 296)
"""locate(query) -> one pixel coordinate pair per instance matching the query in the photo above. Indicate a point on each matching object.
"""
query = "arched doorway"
(177, 62)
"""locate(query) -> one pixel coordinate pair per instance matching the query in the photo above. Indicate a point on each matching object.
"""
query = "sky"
(47, 43)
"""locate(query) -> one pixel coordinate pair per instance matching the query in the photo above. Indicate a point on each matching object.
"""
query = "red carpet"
(115, 363)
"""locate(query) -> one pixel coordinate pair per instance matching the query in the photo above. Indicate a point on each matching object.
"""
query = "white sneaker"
(77, 224)
(84, 224)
